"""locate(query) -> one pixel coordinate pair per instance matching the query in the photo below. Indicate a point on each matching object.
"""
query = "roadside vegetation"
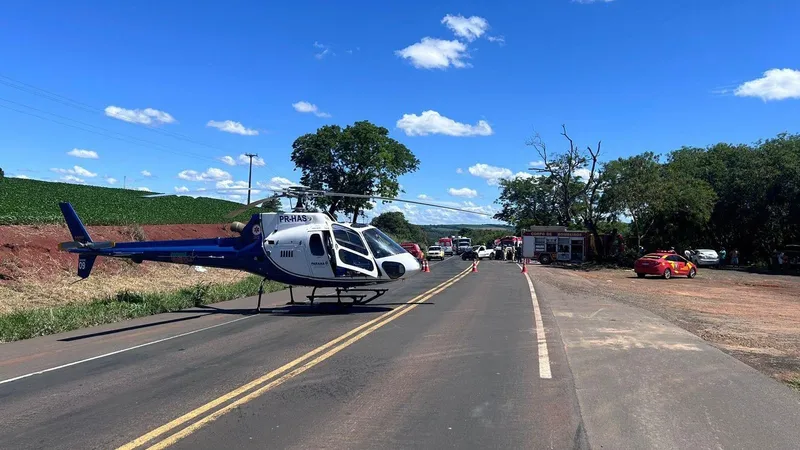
(31, 202)
(736, 196)
(121, 306)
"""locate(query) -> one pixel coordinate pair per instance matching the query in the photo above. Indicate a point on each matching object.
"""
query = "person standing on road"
(722, 255)
(735, 257)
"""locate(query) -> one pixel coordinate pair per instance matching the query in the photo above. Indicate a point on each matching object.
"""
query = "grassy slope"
(24, 202)
(125, 305)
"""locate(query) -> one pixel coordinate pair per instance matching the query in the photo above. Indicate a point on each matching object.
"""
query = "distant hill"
(434, 232)
(26, 202)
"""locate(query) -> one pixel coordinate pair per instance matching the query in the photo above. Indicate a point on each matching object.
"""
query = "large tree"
(359, 159)
(563, 170)
(652, 195)
(527, 201)
(395, 224)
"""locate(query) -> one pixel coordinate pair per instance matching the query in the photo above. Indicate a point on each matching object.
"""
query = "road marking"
(281, 374)
(544, 358)
(105, 355)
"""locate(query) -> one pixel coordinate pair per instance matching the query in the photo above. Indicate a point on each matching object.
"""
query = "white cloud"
(212, 174)
(147, 116)
(522, 175)
(459, 170)
(72, 179)
(277, 183)
(76, 170)
(23, 177)
(776, 84)
(181, 189)
(538, 163)
(306, 107)
(497, 39)
(325, 50)
(463, 192)
(431, 122)
(432, 53)
(238, 187)
(245, 160)
(424, 197)
(469, 28)
(143, 188)
(228, 160)
(583, 173)
(146, 173)
(111, 180)
(81, 153)
(230, 126)
(492, 174)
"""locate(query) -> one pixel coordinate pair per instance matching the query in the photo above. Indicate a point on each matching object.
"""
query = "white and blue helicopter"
(298, 248)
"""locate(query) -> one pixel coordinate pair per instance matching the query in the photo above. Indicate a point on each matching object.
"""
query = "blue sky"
(639, 75)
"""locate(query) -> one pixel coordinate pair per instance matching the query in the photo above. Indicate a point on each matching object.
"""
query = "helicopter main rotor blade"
(392, 199)
(228, 191)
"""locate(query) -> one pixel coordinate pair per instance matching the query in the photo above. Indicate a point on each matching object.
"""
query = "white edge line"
(123, 350)
(544, 358)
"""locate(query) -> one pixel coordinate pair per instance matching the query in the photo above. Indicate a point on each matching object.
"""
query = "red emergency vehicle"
(547, 244)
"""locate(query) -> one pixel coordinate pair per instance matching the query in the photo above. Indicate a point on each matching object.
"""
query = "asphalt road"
(446, 359)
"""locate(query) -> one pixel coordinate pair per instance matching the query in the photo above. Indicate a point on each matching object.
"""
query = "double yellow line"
(261, 385)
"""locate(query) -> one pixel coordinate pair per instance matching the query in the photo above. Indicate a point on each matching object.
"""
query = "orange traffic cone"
(474, 266)
(524, 267)
(425, 266)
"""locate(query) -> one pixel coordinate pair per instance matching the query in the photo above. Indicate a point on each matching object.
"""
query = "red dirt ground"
(31, 251)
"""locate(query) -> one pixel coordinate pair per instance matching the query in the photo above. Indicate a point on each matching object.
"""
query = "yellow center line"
(350, 337)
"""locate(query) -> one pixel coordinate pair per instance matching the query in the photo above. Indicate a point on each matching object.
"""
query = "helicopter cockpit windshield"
(381, 244)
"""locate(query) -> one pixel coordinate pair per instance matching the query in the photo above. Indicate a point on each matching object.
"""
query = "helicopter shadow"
(296, 310)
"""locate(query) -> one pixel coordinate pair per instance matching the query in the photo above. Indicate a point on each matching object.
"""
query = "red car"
(414, 250)
(664, 264)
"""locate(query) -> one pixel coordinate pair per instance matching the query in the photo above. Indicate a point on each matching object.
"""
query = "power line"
(126, 138)
(52, 96)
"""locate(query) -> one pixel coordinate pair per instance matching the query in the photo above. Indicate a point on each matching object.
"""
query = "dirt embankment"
(754, 317)
(34, 273)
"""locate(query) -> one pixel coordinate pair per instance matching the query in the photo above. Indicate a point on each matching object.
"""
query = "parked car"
(435, 252)
(664, 264)
(477, 252)
(414, 249)
(704, 257)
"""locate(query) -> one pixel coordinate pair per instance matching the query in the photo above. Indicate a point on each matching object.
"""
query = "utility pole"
(125, 182)
(250, 177)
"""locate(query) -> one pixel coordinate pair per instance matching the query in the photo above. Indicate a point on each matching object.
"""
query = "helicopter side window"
(315, 245)
(349, 239)
(356, 260)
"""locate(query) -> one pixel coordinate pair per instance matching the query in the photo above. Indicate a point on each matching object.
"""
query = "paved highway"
(449, 358)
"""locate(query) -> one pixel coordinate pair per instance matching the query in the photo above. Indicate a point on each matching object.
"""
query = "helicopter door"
(351, 253)
(322, 263)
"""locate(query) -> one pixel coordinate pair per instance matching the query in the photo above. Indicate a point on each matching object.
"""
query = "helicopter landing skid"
(358, 296)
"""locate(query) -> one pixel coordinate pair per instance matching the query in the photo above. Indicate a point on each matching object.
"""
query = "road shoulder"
(642, 382)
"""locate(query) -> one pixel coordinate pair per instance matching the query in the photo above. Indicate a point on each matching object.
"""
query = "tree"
(271, 205)
(561, 170)
(359, 159)
(394, 223)
(2, 174)
(526, 202)
(653, 195)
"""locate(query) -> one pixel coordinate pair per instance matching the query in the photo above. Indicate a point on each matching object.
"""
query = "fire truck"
(547, 244)
(447, 245)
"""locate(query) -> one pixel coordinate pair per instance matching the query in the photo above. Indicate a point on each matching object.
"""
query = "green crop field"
(26, 202)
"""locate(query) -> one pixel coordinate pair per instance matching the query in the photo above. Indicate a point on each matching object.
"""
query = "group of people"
(508, 253)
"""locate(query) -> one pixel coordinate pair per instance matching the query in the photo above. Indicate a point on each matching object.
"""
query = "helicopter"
(303, 247)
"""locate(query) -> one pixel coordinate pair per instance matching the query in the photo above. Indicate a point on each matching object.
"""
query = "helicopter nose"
(411, 264)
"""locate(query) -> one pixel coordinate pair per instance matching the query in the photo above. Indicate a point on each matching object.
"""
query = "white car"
(477, 252)
(704, 257)
(435, 252)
